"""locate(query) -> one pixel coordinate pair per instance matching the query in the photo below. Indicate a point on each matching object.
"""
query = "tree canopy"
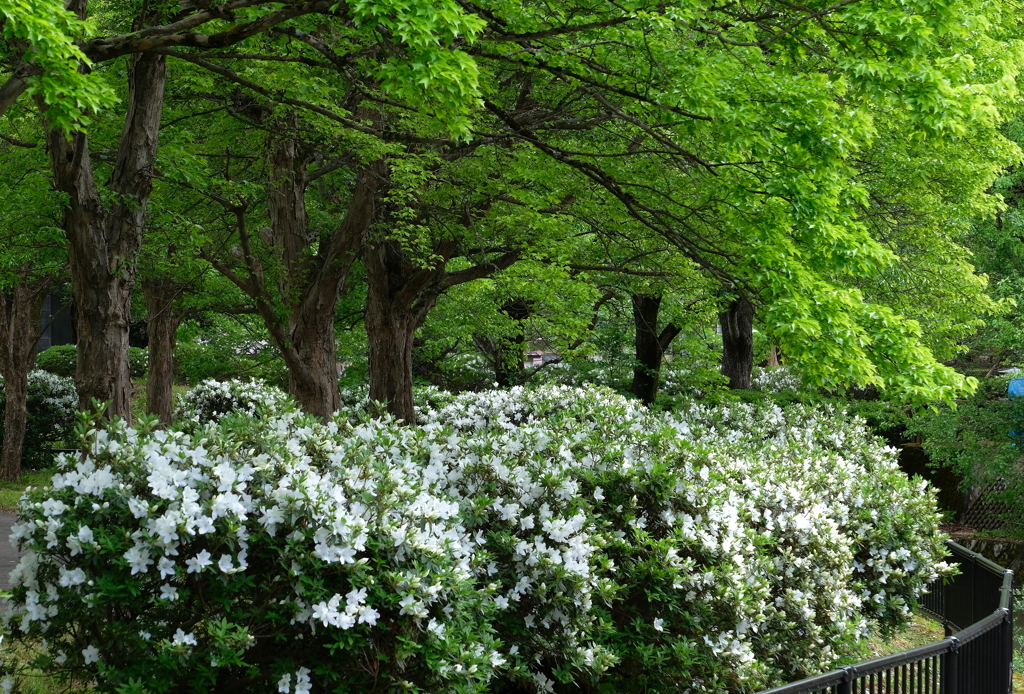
(820, 161)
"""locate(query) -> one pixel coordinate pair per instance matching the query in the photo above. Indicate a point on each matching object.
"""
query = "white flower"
(598, 493)
(368, 615)
(182, 639)
(138, 559)
(658, 624)
(166, 567)
(91, 654)
(168, 592)
(302, 684)
(200, 562)
(284, 685)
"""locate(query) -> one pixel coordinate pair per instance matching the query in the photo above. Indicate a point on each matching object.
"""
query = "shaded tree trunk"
(309, 282)
(400, 294)
(506, 353)
(392, 316)
(650, 346)
(160, 293)
(105, 234)
(737, 323)
(19, 332)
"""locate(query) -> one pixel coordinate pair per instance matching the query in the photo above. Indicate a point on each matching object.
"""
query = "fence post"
(1006, 676)
(846, 686)
(949, 666)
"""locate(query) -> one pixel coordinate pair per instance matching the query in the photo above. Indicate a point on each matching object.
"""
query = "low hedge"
(62, 360)
(545, 540)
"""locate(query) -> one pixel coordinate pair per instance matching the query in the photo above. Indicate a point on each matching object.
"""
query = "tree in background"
(33, 261)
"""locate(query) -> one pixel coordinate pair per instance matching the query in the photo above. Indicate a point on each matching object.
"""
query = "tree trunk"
(650, 346)
(19, 333)
(163, 323)
(310, 282)
(312, 364)
(737, 323)
(400, 294)
(391, 323)
(105, 234)
(506, 352)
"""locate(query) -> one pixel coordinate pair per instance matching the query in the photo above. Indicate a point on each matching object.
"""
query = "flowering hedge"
(212, 399)
(51, 406)
(541, 539)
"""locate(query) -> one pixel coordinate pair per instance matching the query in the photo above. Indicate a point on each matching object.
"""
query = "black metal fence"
(977, 659)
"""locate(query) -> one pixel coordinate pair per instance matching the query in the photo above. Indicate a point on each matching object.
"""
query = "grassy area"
(10, 492)
(921, 632)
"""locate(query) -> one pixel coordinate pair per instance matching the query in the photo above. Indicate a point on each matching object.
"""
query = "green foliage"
(63, 359)
(51, 406)
(538, 539)
(50, 33)
(219, 347)
(59, 360)
(982, 440)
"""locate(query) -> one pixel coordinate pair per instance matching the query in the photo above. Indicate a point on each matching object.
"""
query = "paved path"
(8, 555)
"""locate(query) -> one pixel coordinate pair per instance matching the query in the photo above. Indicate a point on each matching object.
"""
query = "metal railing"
(977, 659)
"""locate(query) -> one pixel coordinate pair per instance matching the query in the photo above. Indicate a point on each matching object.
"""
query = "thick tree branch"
(179, 34)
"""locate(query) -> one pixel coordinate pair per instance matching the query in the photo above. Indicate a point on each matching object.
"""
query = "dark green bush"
(59, 360)
(62, 359)
(196, 362)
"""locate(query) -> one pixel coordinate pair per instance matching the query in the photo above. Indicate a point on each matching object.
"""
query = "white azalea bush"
(529, 539)
(51, 406)
(776, 379)
(212, 399)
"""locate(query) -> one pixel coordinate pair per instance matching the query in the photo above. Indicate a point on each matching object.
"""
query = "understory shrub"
(195, 362)
(212, 399)
(49, 418)
(982, 440)
(59, 360)
(541, 540)
(62, 360)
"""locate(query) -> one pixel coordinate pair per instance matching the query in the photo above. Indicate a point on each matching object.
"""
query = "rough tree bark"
(19, 333)
(400, 294)
(105, 234)
(650, 346)
(160, 293)
(310, 283)
(737, 323)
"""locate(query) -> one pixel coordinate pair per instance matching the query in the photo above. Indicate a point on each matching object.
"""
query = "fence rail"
(977, 659)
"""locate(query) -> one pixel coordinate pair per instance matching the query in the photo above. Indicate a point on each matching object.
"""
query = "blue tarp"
(1015, 390)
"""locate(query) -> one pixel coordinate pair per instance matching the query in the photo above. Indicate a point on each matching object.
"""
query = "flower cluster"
(776, 380)
(212, 399)
(528, 539)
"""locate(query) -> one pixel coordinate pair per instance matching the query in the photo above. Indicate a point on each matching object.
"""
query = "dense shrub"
(982, 440)
(211, 400)
(542, 540)
(50, 416)
(197, 362)
(59, 360)
(62, 360)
